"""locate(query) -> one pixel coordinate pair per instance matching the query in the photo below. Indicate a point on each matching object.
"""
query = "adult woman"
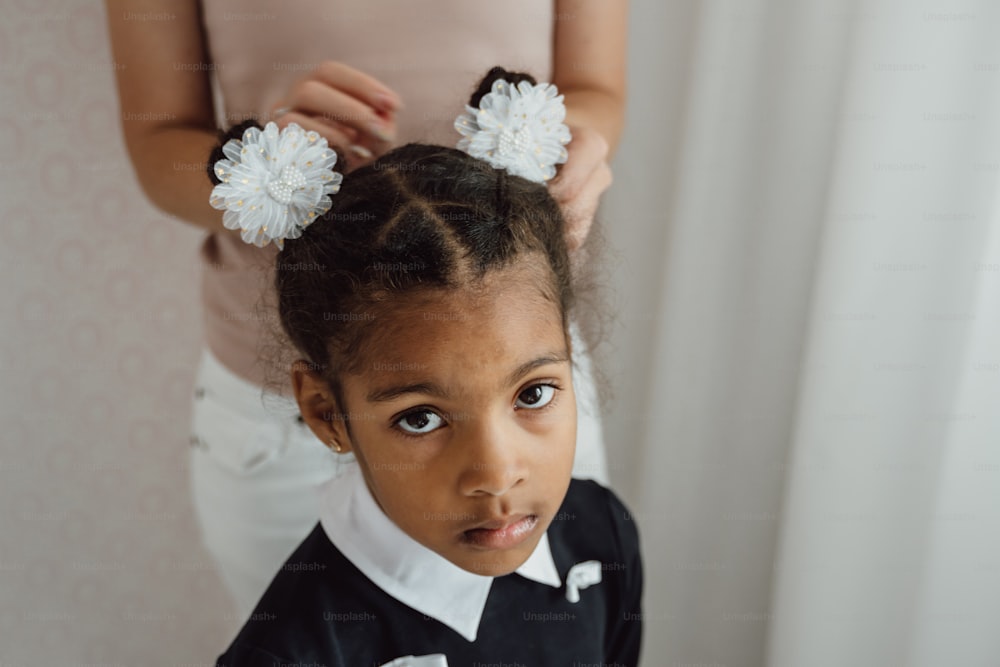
(365, 75)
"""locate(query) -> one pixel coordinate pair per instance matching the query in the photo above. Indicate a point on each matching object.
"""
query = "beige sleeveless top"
(431, 52)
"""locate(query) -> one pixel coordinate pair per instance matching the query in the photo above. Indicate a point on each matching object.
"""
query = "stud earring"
(335, 445)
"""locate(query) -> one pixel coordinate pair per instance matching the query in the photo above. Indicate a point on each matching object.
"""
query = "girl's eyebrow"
(386, 394)
(527, 367)
(395, 391)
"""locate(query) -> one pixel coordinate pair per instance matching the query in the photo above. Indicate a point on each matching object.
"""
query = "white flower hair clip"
(517, 128)
(275, 183)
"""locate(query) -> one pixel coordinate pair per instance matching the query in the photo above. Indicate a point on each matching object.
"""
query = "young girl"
(430, 299)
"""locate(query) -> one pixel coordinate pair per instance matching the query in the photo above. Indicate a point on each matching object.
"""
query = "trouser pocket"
(232, 435)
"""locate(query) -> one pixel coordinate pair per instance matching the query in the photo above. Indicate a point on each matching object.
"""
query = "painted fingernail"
(361, 151)
(379, 131)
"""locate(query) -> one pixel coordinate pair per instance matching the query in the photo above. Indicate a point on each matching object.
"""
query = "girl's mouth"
(501, 534)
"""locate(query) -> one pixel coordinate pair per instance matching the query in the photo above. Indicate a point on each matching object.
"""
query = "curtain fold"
(895, 410)
(807, 382)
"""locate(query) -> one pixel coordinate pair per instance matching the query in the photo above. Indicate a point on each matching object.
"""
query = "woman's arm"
(589, 70)
(169, 123)
(590, 60)
(166, 103)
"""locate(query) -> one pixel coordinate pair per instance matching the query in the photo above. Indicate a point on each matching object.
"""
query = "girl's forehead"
(457, 363)
(510, 312)
(450, 331)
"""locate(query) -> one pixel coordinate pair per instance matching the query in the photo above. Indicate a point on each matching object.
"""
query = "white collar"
(407, 570)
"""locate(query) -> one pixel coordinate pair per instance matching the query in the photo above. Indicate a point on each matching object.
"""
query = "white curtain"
(808, 353)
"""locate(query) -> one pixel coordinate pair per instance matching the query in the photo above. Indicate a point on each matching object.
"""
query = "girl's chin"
(492, 567)
(494, 563)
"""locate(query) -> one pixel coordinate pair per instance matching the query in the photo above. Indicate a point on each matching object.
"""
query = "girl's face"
(463, 415)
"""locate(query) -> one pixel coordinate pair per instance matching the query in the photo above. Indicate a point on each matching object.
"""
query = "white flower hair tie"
(275, 183)
(517, 128)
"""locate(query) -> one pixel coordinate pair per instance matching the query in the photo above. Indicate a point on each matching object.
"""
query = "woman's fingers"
(356, 111)
(580, 211)
(359, 85)
(587, 150)
(316, 98)
(580, 183)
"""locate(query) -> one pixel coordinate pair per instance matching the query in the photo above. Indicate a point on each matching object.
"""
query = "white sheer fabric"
(807, 200)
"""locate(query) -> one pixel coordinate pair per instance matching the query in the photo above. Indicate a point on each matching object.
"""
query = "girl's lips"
(505, 536)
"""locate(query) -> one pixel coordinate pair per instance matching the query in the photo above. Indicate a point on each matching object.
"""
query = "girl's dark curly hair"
(419, 217)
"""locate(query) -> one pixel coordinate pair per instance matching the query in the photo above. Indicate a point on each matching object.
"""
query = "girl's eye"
(536, 396)
(419, 422)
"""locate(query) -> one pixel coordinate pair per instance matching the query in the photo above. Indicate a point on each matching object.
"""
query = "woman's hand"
(353, 111)
(580, 183)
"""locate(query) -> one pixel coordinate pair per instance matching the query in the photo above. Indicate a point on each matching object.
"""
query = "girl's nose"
(494, 463)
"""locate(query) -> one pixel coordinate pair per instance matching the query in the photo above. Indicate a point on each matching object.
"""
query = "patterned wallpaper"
(100, 561)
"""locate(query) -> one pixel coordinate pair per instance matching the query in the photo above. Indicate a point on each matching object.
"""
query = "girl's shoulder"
(592, 502)
(293, 616)
(595, 545)
(594, 524)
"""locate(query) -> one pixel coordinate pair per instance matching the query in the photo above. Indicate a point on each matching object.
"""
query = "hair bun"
(235, 132)
(486, 85)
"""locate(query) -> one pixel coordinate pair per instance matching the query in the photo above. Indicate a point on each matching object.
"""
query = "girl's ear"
(319, 407)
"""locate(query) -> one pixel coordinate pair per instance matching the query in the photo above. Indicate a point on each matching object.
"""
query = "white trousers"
(256, 469)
